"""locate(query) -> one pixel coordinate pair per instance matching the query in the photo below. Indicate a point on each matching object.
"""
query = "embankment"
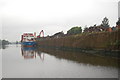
(100, 42)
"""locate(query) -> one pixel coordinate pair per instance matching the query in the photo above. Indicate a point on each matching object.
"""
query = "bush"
(74, 30)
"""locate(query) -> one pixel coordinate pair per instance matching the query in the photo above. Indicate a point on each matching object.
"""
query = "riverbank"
(97, 43)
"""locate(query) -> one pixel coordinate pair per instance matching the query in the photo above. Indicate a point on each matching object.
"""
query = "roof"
(28, 34)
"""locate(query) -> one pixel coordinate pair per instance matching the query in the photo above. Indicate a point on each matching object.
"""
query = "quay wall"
(99, 42)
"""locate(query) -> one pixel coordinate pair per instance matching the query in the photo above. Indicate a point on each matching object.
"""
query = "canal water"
(23, 62)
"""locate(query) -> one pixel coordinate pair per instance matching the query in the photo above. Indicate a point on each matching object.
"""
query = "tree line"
(104, 26)
(4, 42)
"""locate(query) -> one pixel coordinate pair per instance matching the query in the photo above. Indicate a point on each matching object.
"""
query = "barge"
(28, 39)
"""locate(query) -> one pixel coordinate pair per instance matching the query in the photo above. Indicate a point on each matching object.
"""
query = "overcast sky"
(19, 16)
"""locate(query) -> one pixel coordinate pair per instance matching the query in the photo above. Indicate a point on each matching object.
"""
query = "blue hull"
(28, 48)
(28, 43)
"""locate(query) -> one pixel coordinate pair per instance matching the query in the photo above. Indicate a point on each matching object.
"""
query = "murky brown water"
(19, 62)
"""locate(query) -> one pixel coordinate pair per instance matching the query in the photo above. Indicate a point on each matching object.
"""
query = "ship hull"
(28, 44)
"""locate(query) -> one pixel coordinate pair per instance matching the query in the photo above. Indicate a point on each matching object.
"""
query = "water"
(18, 62)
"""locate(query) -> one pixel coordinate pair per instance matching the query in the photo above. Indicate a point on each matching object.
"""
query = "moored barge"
(28, 39)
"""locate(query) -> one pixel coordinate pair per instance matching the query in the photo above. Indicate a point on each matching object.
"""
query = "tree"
(5, 42)
(17, 42)
(74, 30)
(105, 22)
(118, 22)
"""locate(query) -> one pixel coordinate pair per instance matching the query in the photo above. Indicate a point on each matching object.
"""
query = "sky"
(52, 16)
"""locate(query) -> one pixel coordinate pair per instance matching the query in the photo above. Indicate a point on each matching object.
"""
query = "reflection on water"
(3, 46)
(82, 57)
(31, 62)
(31, 52)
